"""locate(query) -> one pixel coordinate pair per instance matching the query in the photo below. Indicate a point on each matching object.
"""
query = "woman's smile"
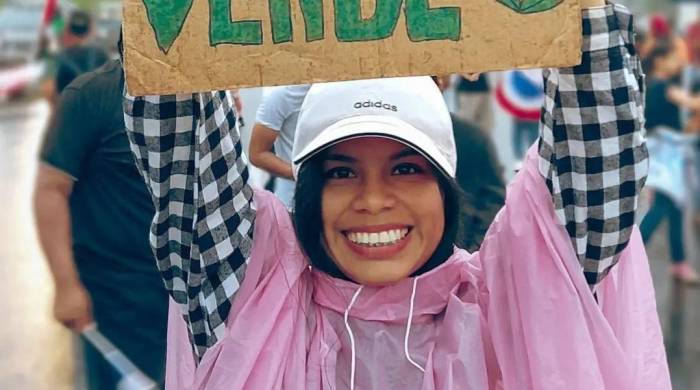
(378, 242)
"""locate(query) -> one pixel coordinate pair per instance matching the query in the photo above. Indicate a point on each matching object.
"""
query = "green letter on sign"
(430, 24)
(313, 17)
(350, 27)
(223, 30)
(167, 18)
(281, 17)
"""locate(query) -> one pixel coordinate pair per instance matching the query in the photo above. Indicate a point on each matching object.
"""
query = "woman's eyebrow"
(405, 153)
(339, 157)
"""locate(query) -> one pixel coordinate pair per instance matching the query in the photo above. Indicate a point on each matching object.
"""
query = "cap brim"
(375, 126)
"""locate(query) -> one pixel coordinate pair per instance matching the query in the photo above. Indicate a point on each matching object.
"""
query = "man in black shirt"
(78, 56)
(479, 174)
(93, 214)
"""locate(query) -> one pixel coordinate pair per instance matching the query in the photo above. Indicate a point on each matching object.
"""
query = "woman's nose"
(375, 195)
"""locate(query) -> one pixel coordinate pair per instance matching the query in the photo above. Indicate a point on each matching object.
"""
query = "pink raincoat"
(516, 315)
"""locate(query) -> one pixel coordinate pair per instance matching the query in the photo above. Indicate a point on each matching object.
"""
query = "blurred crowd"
(671, 62)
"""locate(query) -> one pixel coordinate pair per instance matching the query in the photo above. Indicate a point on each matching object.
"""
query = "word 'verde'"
(423, 23)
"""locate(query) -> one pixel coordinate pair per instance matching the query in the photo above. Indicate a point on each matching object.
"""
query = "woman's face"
(382, 209)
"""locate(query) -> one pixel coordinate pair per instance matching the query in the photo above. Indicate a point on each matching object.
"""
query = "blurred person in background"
(93, 214)
(661, 34)
(692, 39)
(479, 174)
(77, 56)
(693, 174)
(273, 137)
(668, 154)
(474, 101)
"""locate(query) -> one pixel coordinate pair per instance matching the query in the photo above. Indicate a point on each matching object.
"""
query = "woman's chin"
(379, 281)
(377, 274)
(377, 266)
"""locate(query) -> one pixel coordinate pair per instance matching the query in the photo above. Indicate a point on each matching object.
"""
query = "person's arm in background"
(48, 92)
(72, 305)
(593, 155)
(273, 111)
(261, 155)
(237, 101)
(66, 144)
(683, 98)
(48, 87)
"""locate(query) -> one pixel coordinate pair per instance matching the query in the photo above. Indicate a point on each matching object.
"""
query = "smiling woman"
(362, 288)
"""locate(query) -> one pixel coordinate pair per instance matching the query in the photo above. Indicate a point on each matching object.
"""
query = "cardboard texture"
(175, 46)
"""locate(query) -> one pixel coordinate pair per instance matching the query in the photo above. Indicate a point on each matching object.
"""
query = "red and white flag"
(49, 12)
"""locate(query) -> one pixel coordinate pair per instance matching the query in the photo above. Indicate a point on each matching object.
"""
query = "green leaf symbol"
(167, 18)
(530, 6)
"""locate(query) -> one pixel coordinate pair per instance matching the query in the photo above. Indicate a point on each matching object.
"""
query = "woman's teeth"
(387, 237)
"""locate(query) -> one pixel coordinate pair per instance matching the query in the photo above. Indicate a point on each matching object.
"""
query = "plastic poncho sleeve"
(188, 150)
(592, 151)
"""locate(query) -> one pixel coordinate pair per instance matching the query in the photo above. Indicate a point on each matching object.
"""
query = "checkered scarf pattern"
(187, 147)
(592, 150)
(189, 151)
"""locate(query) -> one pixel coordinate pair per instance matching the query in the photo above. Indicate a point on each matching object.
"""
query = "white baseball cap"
(410, 110)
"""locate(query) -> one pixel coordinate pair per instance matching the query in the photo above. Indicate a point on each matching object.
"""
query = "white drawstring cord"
(352, 338)
(408, 327)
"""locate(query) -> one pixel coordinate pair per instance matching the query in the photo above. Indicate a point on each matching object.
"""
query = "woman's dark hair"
(308, 220)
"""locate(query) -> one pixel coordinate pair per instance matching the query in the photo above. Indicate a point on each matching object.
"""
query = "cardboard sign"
(200, 45)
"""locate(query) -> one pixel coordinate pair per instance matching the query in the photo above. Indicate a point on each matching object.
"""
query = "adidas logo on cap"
(377, 104)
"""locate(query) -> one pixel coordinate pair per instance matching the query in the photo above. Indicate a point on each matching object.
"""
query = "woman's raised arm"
(188, 150)
(592, 151)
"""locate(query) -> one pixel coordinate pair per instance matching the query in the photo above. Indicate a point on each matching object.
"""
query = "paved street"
(679, 310)
(36, 353)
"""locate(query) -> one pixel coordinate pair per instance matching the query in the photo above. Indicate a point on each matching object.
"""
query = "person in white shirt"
(275, 125)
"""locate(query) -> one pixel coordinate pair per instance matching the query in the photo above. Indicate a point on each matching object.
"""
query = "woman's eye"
(340, 173)
(406, 169)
